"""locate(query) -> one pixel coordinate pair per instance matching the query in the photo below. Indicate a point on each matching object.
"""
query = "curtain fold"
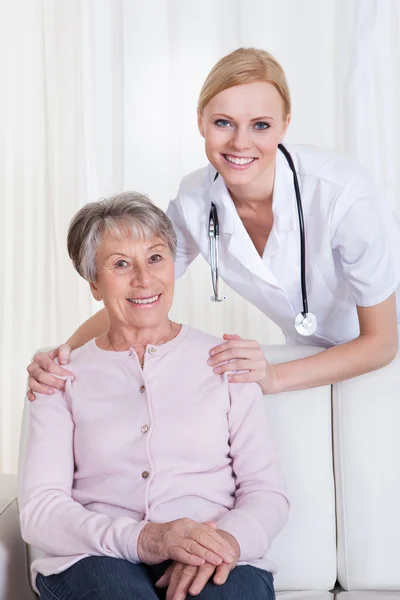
(99, 96)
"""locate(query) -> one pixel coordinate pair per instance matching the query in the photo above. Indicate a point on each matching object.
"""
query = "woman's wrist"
(143, 542)
(271, 384)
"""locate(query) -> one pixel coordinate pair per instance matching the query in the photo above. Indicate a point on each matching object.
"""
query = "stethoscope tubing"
(305, 322)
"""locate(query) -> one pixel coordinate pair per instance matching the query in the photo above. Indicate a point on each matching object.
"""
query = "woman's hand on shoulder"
(244, 361)
(43, 368)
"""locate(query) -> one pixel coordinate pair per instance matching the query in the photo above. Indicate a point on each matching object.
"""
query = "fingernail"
(212, 352)
(49, 392)
(210, 361)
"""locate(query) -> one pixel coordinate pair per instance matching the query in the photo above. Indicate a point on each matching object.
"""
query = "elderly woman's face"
(135, 280)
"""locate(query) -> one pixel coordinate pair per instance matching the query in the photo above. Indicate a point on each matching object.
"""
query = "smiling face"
(135, 280)
(242, 127)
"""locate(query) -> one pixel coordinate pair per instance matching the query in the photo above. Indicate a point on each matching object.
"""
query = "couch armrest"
(14, 576)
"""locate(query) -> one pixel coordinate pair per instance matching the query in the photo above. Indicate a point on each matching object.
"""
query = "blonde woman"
(332, 282)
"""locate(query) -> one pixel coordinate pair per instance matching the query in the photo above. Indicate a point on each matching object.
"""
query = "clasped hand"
(183, 577)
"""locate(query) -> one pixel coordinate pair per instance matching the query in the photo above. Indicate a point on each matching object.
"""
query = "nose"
(142, 276)
(241, 139)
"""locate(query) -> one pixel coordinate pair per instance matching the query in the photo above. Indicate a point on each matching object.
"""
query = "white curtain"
(98, 96)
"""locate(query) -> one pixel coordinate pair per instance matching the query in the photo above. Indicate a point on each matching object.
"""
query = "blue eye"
(261, 125)
(222, 123)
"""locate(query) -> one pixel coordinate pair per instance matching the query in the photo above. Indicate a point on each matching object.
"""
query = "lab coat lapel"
(234, 237)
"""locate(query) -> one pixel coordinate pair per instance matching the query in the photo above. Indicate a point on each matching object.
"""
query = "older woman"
(148, 470)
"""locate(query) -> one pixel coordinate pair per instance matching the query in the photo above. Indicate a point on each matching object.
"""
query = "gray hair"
(129, 212)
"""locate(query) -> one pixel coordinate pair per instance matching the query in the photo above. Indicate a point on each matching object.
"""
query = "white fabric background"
(99, 96)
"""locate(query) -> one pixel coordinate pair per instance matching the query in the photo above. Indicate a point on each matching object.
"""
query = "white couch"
(340, 449)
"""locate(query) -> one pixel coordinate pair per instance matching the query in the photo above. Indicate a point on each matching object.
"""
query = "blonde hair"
(245, 65)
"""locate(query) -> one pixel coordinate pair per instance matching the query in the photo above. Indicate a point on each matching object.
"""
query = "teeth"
(144, 301)
(238, 161)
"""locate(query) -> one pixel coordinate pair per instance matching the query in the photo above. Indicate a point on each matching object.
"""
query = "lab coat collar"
(234, 236)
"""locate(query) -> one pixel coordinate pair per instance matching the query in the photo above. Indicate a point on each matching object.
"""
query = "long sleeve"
(261, 508)
(50, 518)
(187, 249)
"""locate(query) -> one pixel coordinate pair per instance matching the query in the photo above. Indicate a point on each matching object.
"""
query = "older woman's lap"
(99, 578)
(104, 578)
(243, 582)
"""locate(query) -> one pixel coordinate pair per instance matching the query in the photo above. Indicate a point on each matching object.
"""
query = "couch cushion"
(305, 595)
(305, 551)
(362, 595)
(14, 583)
(366, 412)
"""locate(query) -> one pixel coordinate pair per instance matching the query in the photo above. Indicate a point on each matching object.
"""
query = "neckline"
(161, 349)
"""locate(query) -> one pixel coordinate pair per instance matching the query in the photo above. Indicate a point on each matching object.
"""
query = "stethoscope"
(305, 322)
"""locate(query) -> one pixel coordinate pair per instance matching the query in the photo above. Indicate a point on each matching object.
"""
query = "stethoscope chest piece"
(305, 324)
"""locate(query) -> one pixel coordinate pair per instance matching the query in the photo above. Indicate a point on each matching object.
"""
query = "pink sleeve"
(261, 509)
(50, 518)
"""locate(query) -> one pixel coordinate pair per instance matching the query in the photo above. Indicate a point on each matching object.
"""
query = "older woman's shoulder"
(81, 357)
(201, 339)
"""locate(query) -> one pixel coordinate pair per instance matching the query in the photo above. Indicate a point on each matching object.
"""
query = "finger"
(194, 549)
(31, 396)
(176, 572)
(64, 352)
(234, 344)
(38, 388)
(203, 575)
(232, 336)
(221, 574)
(166, 577)
(40, 381)
(44, 361)
(241, 364)
(211, 524)
(187, 576)
(251, 377)
(212, 541)
(249, 353)
(181, 555)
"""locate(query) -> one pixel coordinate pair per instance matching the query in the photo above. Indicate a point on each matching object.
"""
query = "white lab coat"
(352, 243)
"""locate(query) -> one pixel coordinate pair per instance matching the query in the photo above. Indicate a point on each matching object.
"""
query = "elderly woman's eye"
(154, 258)
(120, 264)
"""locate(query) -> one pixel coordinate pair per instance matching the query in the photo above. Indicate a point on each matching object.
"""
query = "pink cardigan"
(124, 446)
